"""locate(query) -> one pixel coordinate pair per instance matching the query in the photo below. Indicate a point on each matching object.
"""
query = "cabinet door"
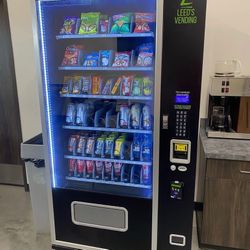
(226, 215)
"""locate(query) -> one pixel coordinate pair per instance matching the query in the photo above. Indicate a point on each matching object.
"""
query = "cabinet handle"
(244, 172)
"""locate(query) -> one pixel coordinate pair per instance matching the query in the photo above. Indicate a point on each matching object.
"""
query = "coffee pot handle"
(238, 66)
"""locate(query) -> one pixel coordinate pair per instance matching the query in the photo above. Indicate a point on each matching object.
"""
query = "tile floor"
(16, 226)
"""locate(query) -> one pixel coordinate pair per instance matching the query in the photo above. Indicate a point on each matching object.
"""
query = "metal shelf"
(109, 182)
(77, 36)
(116, 97)
(137, 131)
(81, 68)
(107, 160)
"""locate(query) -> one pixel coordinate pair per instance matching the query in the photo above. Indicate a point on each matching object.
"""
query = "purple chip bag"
(69, 26)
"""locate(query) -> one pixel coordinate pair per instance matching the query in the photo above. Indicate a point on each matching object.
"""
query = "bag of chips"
(89, 23)
(69, 26)
(147, 86)
(91, 60)
(143, 22)
(126, 85)
(137, 86)
(145, 58)
(121, 23)
(67, 85)
(116, 88)
(106, 58)
(96, 85)
(122, 59)
(104, 24)
(77, 85)
(108, 87)
(72, 56)
(86, 84)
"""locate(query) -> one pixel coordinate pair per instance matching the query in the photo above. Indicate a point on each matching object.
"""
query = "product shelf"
(107, 160)
(89, 36)
(109, 182)
(115, 97)
(81, 68)
(103, 129)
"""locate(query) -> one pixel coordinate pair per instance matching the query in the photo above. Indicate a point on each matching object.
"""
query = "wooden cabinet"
(226, 212)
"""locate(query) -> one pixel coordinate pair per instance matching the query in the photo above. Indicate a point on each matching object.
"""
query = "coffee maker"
(229, 108)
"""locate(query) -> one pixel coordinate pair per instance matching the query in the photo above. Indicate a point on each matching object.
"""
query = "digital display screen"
(181, 147)
(182, 98)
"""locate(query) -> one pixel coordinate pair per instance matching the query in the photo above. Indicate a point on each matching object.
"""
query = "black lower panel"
(137, 237)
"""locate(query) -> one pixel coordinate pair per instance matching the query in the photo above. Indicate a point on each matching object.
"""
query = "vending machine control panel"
(182, 109)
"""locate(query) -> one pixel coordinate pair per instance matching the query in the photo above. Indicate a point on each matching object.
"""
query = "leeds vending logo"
(186, 13)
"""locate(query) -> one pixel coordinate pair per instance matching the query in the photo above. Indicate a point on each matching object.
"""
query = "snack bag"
(108, 171)
(71, 113)
(146, 118)
(145, 59)
(126, 85)
(136, 170)
(137, 86)
(147, 148)
(116, 88)
(146, 174)
(104, 24)
(99, 165)
(72, 56)
(81, 145)
(119, 145)
(121, 23)
(117, 171)
(81, 109)
(91, 60)
(72, 167)
(90, 165)
(122, 59)
(124, 116)
(73, 139)
(127, 173)
(96, 85)
(69, 26)
(90, 146)
(77, 85)
(81, 167)
(147, 86)
(100, 143)
(146, 53)
(135, 116)
(143, 21)
(89, 23)
(67, 85)
(137, 146)
(105, 58)
(109, 145)
(86, 84)
(108, 87)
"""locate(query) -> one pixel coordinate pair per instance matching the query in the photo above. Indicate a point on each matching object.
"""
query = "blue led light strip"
(48, 104)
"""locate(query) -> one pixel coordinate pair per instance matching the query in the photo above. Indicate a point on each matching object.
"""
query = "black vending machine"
(120, 92)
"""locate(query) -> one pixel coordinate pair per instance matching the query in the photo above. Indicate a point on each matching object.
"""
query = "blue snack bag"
(147, 148)
(136, 148)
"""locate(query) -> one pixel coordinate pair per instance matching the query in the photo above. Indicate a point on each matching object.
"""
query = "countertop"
(224, 149)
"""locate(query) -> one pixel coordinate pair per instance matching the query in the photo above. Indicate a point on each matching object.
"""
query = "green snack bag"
(137, 86)
(89, 23)
(121, 23)
(147, 86)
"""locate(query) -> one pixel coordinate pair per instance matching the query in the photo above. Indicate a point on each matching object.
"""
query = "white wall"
(22, 42)
(227, 37)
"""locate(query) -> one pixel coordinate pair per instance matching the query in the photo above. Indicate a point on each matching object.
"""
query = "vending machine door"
(101, 70)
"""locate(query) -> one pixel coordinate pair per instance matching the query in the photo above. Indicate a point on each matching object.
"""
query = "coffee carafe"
(220, 119)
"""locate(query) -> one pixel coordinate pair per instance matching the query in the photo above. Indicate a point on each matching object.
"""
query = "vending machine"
(119, 90)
